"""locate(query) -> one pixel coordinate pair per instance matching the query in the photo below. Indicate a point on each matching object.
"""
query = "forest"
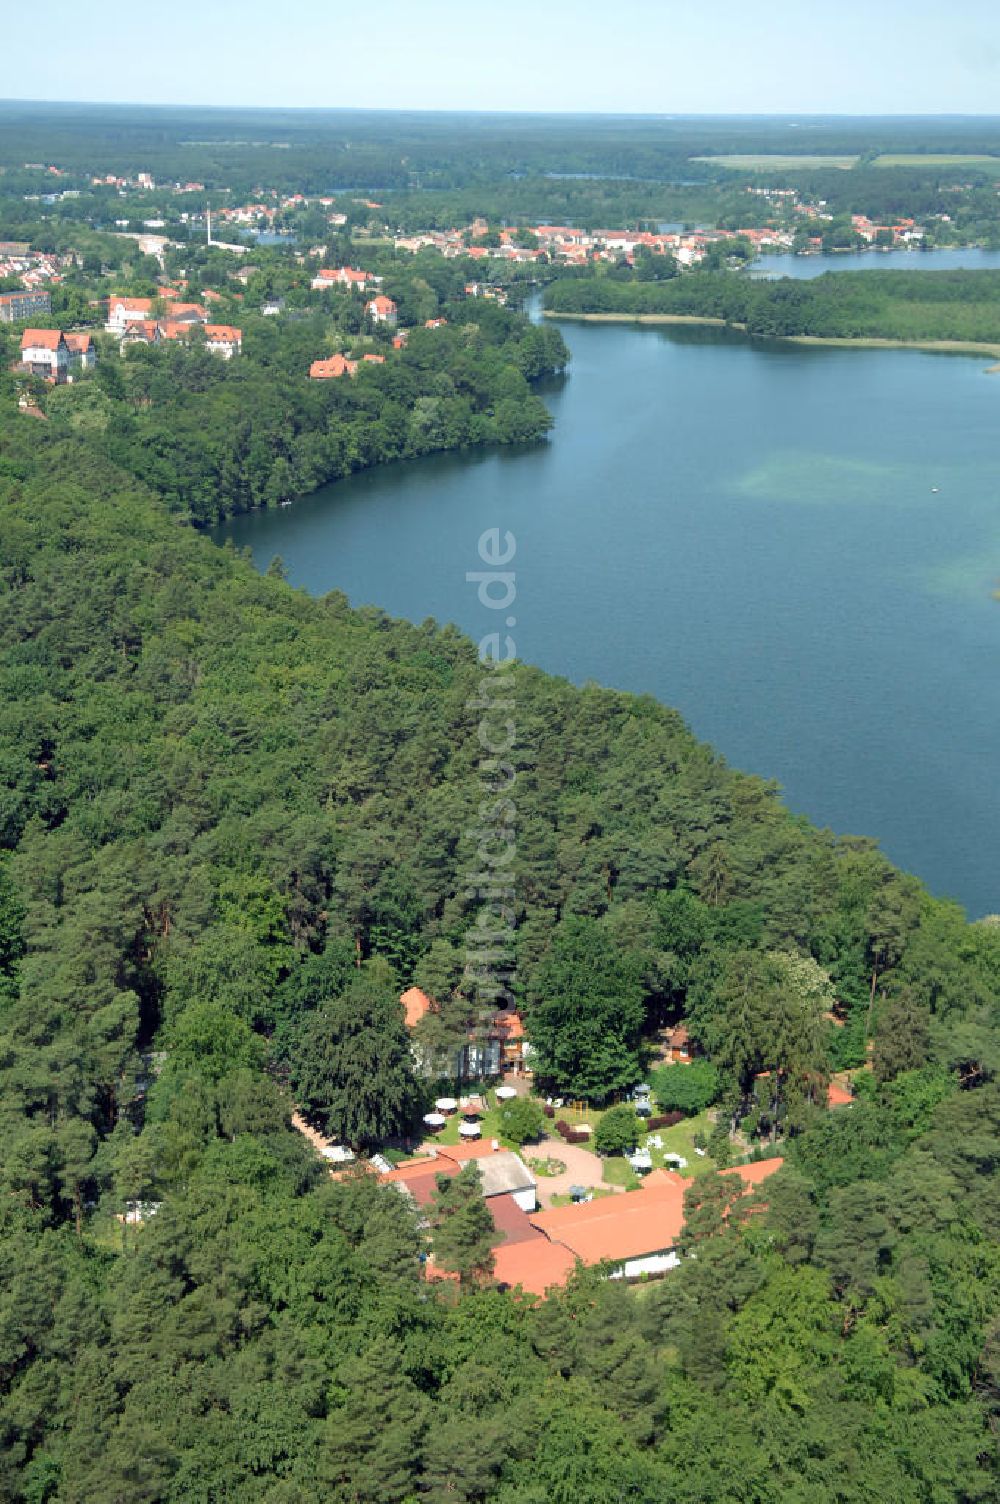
(898, 305)
(234, 823)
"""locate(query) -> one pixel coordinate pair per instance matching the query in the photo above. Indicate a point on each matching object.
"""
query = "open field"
(754, 162)
(941, 159)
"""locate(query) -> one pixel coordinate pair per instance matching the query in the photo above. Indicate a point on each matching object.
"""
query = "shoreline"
(843, 342)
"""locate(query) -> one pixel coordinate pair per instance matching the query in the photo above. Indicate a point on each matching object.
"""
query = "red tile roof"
(621, 1227)
(757, 1172)
(44, 339)
(79, 342)
(416, 1004)
(836, 1096)
(511, 1222)
(536, 1265)
(420, 1178)
(130, 305)
(223, 334)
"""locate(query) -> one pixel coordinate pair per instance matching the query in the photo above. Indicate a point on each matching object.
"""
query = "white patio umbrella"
(446, 1104)
(435, 1119)
(469, 1130)
(505, 1093)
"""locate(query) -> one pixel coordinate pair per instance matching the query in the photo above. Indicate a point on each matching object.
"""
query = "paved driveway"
(582, 1168)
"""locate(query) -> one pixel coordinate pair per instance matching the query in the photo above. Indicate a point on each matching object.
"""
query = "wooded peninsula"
(905, 306)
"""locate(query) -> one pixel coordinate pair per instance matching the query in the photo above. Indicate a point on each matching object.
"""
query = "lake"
(796, 547)
(969, 258)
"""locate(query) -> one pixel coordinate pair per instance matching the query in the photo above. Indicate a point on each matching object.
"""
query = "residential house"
(44, 352)
(637, 1232)
(502, 1172)
(140, 332)
(490, 1050)
(82, 352)
(330, 369)
(382, 310)
(125, 311)
(343, 276)
(25, 304)
(224, 340)
(187, 313)
(680, 1047)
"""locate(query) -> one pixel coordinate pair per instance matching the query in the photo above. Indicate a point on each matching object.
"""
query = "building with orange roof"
(341, 276)
(535, 1264)
(332, 368)
(187, 313)
(837, 1096)
(755, 1173)
(173, 328)
(81, 351)
(381, 310)
(223, 339)
(637, 1231)
(44, 353)
(124, 311)
(416, 1004)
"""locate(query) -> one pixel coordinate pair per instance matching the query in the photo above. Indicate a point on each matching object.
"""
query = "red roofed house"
(341, 276)
(435, 323)
(753, 1174)
(836, 1096)
(140, 332)
(174, 328)
(679, 1047)
(382, 310)
(638, 1231)
(81, 351)
(125, 311)
(329, 370)
(416, 1005)
(45, 353)
(187, 313)
(224, 340)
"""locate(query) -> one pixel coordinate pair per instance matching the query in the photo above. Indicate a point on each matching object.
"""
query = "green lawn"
(680, 1140)
(762, 162)
(935, 159)
(618, 1171)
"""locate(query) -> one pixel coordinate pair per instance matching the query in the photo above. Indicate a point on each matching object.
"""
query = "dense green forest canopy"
(904, 305)
(218, 796)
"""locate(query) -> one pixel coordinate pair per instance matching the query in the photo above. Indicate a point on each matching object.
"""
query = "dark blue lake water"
(796, 547)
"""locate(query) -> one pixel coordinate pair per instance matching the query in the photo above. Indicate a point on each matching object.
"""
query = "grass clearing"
(776, 161)
(937, 159)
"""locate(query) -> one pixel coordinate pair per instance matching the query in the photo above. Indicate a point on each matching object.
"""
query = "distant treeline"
(958, 305)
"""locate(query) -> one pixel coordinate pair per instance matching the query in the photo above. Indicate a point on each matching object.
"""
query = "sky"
(641, 56)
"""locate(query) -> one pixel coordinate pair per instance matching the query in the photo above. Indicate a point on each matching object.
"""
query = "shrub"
(618, 1131)
(562, 1128)
(665, 1120)
(521, 1120)
(548, 1109)
(686, 1088)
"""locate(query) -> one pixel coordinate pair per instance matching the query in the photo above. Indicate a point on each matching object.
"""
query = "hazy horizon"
(907, 57)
